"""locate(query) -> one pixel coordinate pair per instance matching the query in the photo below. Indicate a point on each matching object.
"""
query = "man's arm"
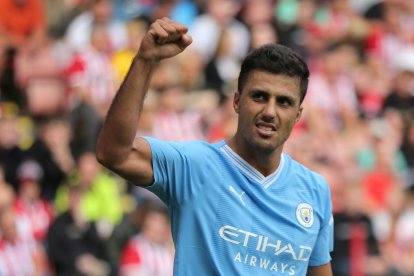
(117, 148)
(322, 270)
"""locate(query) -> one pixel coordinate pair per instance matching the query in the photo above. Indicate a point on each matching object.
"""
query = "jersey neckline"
(249, 171)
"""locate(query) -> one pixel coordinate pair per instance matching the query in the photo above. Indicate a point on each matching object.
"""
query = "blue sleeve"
(171, 169)
(324, 242)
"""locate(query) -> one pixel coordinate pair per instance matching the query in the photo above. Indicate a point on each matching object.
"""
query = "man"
(83, 248)
(237, 207)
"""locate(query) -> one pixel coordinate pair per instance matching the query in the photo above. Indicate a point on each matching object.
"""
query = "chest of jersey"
(256, 226)
(228, 219)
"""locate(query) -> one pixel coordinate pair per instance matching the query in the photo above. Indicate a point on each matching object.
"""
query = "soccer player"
(240, 206)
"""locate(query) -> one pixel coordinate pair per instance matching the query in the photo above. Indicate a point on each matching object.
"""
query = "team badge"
(304, 214)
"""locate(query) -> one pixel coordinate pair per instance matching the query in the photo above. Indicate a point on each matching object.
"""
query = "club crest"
(304, 214)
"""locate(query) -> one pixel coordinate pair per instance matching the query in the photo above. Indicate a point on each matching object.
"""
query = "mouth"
(266, 130)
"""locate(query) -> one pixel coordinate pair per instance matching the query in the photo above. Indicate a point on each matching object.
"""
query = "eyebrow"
(287, 97)
(283, 96)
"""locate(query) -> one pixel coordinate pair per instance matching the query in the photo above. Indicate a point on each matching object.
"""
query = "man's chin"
(265, 147)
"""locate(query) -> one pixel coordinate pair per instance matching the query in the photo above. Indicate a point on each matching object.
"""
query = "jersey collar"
(250, 171)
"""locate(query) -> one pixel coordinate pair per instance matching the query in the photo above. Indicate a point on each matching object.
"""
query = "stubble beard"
(262, 145)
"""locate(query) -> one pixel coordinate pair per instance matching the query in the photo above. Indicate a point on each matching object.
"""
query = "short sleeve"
(324, 242)
(172, 171)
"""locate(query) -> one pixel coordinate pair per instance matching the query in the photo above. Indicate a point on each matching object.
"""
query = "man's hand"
(165, 38)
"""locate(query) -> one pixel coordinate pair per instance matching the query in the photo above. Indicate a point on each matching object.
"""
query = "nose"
(269, 111)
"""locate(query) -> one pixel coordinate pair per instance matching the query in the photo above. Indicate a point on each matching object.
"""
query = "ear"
(236, 101)
(299, 114)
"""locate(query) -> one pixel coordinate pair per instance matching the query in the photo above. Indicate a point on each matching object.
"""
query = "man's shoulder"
(184, 145)
(189, 150)
(303, 171)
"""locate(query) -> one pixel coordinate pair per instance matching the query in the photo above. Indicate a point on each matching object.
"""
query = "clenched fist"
(165, 38)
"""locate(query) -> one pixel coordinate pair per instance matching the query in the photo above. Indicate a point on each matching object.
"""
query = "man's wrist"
(141, 59)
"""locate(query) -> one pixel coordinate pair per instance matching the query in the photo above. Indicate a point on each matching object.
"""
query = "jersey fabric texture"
(228, 219)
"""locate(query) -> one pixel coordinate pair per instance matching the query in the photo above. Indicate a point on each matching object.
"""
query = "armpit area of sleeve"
(324, 245)
(320, 262)
(157, 167)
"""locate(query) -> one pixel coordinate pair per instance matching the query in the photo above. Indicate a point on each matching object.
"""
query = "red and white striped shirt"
(141, 257)
(17, 257)
(92, 71)
(39, 215)
(175, 126)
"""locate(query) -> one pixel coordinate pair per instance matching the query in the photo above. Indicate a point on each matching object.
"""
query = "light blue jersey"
(228, 219)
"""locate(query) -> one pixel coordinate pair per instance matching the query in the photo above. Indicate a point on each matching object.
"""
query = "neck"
(266, 162)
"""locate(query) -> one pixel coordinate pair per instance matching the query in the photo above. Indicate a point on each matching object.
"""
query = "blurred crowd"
(61, 62)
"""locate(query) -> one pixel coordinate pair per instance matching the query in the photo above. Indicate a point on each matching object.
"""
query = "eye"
(285, 101)
(259, 96)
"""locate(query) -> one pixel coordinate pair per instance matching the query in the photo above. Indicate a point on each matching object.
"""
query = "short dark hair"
(276, 59)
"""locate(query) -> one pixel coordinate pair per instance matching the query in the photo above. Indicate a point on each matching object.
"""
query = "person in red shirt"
(21, 20)
(149, 252)
(29, 203)
(20, 254)
(22, 28)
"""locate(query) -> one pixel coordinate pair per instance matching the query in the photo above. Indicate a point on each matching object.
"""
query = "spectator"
(39, 75)
(172, 120)
(391, 29)
(206, 29)
(60, 13)
(385, 171)
(295, 21)
(10, 153)
(257, 12)
(150, 251)
(22, 26)
(223, 125)
(100, 13)
(259, 18)
(332, 102)
(190, 71)
(373, 82)
(90, 74)
(122, 58)
(382, 139)
(22, 22)
(29, 202)
(356, 247)
(100, 199)
(86, 121)
(262, 34)
(222, 69)
(401, 97)
(52, 151)
(340, 21)
(74, 246)
(19, 252)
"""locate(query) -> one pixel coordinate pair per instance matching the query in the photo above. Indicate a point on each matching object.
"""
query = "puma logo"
(239, 196)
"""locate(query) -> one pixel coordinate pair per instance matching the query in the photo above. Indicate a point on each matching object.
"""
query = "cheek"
(289, 121)
(245, 116)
